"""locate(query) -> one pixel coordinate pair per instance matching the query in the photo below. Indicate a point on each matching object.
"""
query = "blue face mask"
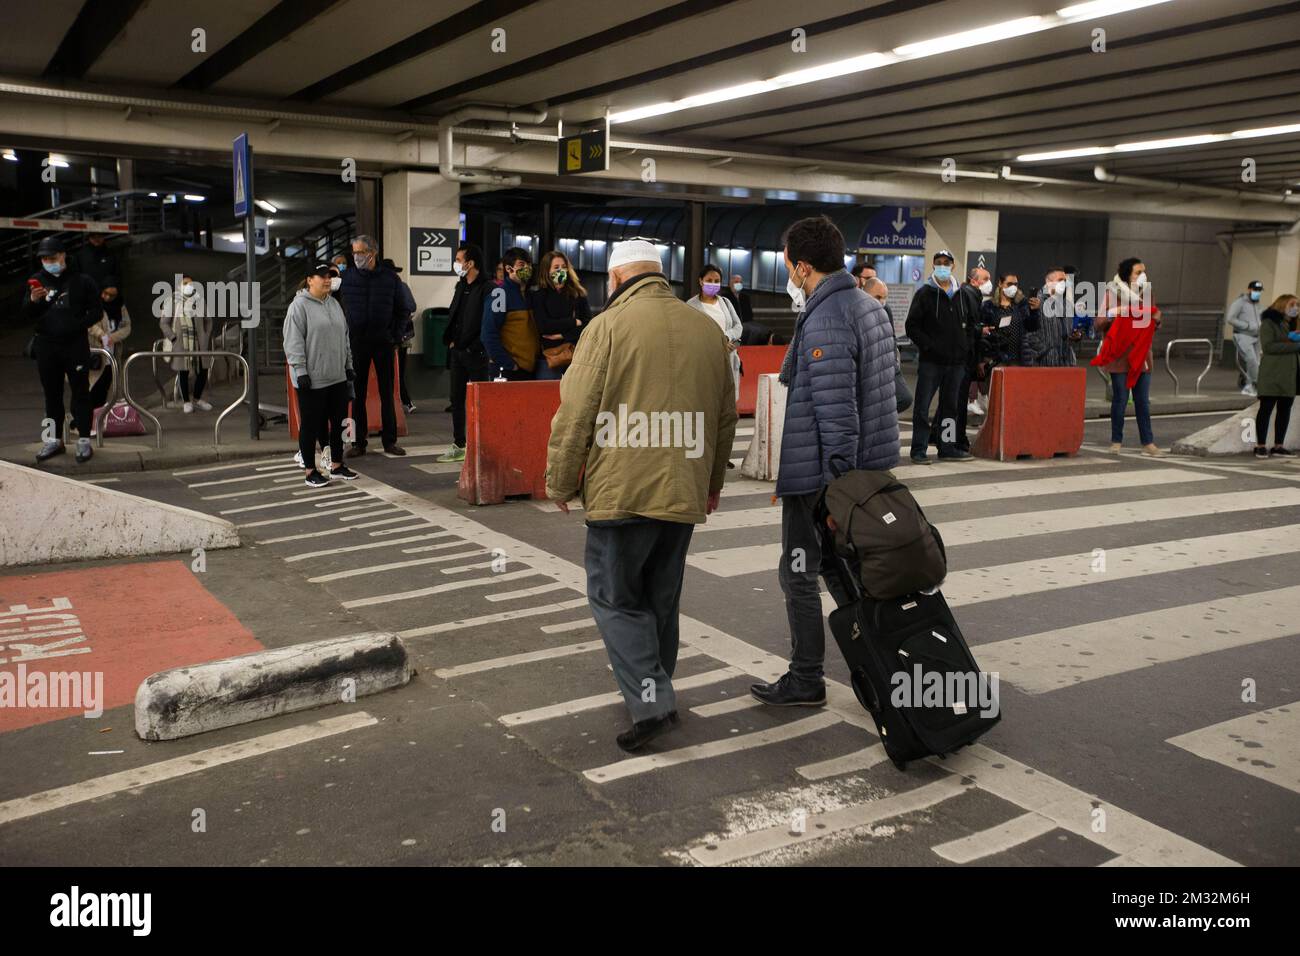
(1254, 297)
(53, 268)
(943, 273)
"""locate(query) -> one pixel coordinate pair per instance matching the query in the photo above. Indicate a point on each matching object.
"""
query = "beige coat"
(95, 336)
(647, 410)
(185, 311)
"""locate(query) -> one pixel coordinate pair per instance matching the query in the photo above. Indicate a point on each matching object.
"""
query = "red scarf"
(1129, 336)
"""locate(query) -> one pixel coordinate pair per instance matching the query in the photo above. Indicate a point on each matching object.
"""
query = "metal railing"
(1209, 361)
(97, 421)
(216, 429)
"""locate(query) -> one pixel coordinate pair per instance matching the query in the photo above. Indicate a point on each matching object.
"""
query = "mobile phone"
(34, 284)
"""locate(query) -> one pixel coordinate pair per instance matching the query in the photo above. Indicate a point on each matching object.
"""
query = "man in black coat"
(469, 359)
(376, 310)
(95, 260)
(64, 305)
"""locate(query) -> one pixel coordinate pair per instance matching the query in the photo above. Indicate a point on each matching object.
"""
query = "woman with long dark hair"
(1279, 375)
(1129, 318)
(560, 309)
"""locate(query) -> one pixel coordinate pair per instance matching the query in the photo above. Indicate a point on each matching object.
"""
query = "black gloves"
(304, 383)
(352, 391)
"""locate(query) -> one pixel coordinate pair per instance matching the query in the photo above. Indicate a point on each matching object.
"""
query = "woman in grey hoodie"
(320, 364)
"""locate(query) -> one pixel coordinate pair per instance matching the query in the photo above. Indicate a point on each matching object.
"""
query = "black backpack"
(883, 533)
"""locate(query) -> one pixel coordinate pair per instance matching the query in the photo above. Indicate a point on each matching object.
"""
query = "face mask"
(711, 288)
(1254, 297)
(523, 274)
(1059, 287)
(458, 268)
(1010, 291)
(1140, 281)
(943, 273)
(796, 294)
(737, 286)
(53, 268)
(341, 266)
(987, 287)
(1292, 312)
(335, 283)
(361, 261)
(188, 288)
(560, 276)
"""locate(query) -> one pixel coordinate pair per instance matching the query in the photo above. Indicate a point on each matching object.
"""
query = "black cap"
(1256, 285)
(321, 269)
(389, 263)
(50, 246)
(110, 282)
(943, 253)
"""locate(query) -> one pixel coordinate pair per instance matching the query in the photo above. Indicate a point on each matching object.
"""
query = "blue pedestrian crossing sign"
(242, 163)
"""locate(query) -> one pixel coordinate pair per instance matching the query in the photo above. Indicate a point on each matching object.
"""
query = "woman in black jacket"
(560, 309)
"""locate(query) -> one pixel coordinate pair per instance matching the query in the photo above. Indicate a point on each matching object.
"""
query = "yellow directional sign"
(573, 161)
(584, 152)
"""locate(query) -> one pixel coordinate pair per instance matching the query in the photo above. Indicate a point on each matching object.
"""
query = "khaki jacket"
(647, 410)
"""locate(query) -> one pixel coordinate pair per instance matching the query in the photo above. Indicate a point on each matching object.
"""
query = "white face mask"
(796, 295)
(737, 286)
(458, 268)
(987, 287)
(335, 282)
(1140, 281)
(1010, 291)
(1058, 287)
(188, 288)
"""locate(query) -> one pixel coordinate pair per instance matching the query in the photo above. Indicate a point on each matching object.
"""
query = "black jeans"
(945, 381)
(402, 351)
(802, 560)
(1266, 405)
(200, 381)
(634, 584)
(381, 354)
(963, 398)
(461, 375)
(320, 419)
(58, 359)
(99, 391)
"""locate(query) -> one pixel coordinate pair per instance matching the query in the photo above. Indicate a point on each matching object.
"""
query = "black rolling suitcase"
(945, 702)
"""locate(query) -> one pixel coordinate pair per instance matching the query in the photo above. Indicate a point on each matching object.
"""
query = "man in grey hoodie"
(1243, 317)
(320, 363)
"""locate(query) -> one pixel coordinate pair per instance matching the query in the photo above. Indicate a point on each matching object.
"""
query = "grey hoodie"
(1243, 316)
(316, 340)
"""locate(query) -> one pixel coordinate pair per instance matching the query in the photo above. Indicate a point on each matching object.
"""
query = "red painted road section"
(124, 622)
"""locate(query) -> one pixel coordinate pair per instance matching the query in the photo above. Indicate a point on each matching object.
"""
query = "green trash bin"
(435, 322)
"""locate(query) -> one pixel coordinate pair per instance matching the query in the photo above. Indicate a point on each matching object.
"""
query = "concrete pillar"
(1272, 259)
(415, 200)
(962, 232)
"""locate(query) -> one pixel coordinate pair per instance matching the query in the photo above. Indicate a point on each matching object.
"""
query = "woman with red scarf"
(1129, 319)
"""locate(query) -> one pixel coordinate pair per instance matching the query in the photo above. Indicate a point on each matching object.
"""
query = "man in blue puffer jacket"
(839, 370)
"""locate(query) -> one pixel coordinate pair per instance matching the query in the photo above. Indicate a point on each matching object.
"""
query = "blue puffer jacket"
(841, 398)
(372, 299)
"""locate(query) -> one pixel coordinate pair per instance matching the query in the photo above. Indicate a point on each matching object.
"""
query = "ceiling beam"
(96, 26)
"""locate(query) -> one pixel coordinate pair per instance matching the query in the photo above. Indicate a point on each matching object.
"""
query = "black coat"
(465, 321)
(940, 326)
(375, 305)
(558, 314)
(75, 307)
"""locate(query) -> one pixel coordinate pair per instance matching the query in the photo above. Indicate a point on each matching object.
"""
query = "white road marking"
(569, 625)
(348, 549)
(422, 526)
(1264, 744)
(376, 568)
(528, 592)
(996, 839)
(347, 494)
(102, 481)
(818, 825)
(252, 491)
(497, 618)
(322, 514)
(513, 660)
(438, 589)
(863, 759)
(1050, 660)
(462, 568)
(124, 780)
(714, 748)
(1056, 486)
(595, 702)
(230, 467)
(385, 511)
(729, 706)
(976, 585)
(343, 530)
(438, 468)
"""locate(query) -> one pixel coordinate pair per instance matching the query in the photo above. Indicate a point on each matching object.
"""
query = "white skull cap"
(632, 250)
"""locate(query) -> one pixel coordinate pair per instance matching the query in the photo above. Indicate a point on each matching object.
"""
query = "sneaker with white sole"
(1250, 391)
(455, 453)
(84, 451)
(188, 408)
(202, 405)
(316, 480)
(297, 459)
(325, 461)
(343, 472)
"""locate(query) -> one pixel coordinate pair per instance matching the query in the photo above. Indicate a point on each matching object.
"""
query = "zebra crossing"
(506, 621)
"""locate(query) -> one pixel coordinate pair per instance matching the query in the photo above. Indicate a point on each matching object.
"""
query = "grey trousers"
(634, 584)
(1248, 348)
(802, 562)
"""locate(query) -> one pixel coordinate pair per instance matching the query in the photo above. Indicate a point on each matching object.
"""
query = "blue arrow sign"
(894, 229)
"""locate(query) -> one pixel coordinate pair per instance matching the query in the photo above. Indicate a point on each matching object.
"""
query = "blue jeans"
(944, 380)
(1141, 406)
(802, 561)
(634, 584)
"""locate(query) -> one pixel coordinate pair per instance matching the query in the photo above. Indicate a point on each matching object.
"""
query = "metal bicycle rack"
(1209, 361)
(216, 429)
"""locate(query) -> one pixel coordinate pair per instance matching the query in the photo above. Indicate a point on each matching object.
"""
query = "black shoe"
(394, 450)
(1261, 451)
(358, 449)
(644, 731)
(731, 464)
(957, 455)
(84, 451)
(316, 480)
(49, 450)
(344, 472)
(788, 691)
(1277, 451)
(921, 460)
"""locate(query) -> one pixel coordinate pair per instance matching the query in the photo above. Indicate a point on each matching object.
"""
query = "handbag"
(558, 356)
(120, 421)
(902, 394)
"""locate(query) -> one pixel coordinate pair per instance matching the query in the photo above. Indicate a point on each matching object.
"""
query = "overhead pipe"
(446, 125)
(1106, 176)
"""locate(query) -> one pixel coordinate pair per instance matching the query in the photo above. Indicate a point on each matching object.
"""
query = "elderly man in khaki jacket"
(646, 420)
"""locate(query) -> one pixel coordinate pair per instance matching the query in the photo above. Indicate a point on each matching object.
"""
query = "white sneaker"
(200, 404)
(187, 408)
(325, 462)
(973, 409)
(1250, 391)
(297, 459)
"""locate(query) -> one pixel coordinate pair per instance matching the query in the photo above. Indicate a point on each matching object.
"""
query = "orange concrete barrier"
(756, 360)
(1033, 413)
(507, 427)
(374, 413)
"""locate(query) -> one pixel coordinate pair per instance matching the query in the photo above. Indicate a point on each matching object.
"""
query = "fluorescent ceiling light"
(993, 33)
(977, 37)
(1266, 131)
(10, 155)
(1063, 154)
(1171, 143)
(262, 203)
(153, 195)
(190, 197)
(1175, 142)
(58, 161)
